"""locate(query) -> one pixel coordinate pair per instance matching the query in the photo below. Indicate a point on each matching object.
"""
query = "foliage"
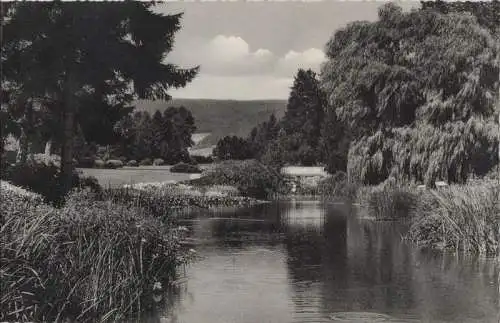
(72, 56)
(163, 200)
(289, 150)
(334, 143)
(459, 218)
(87, 162)
(305, 109)
(337, 186)
(42, 176)
(114, 163)
(251, 177)
(158, 162)
(232, 147)
(146, 162)
(296, 139)
(89, 261)
(262, 136)
(416, 91)
(389, 202)
(185, 168)
(221, 118)
(196, 159)
(99, 163)
(486, 13)
(164, 136)
(132, 163)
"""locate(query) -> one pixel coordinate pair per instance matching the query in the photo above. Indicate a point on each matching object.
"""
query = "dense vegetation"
(79, 65)
(411, 96)
(250, 177)
(301, 137)
(88, 261)
(165, 135)
(417, 92)
(220, 118)
(460, 218)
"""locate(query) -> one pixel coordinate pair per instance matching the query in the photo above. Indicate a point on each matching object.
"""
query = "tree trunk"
(67, 138)
(22, 152)
(48, 147)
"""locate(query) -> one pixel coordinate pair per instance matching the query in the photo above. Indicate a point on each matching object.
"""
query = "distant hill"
(221, 117)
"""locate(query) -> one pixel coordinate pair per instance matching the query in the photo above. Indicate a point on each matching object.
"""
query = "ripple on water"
(366, 317)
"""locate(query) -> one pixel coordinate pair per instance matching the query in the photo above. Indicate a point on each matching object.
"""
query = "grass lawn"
(131, 175)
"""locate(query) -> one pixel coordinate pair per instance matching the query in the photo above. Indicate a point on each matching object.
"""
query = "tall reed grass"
(388, 201)
(461, 218)
(88, 261)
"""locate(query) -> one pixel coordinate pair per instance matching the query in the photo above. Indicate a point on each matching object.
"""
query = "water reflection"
(310, 262)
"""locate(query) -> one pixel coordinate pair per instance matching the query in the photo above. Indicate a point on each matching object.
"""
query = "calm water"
(311, 262)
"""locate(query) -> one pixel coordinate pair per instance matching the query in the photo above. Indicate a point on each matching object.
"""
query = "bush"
(202, 159)
(10, 156)
(132, 163)
(99, 163)
(158, 162)
(251, 177)
(146, 162)
(185, 168)
(461, 218)
(86, 162)
(114, 163)
(38, 177)
(42, 176)
(89, 261)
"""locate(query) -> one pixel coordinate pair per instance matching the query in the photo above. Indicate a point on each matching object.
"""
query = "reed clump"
(463, 218)
(88, 261)
(388, 201)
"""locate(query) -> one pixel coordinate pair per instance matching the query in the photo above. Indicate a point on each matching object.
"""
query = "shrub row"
(251, 177)
(117, 163)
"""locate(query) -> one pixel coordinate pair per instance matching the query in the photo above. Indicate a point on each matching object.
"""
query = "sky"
(250, 50)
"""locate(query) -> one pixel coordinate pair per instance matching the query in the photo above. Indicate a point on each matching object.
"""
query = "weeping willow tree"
(417, 91)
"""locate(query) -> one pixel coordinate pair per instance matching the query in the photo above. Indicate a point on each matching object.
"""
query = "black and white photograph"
(250, 161)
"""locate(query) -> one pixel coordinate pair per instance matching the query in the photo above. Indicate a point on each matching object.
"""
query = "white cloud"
(292, 61)
(248, 87)
(232, 56)
(228, 48)
(230, 68)
(225, 55)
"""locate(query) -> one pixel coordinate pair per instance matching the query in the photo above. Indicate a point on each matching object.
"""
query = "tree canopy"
(85, 59)
(417, 92)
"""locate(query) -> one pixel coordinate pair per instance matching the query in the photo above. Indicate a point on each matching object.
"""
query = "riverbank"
(162, 197)
(463, 218)
(89, 260)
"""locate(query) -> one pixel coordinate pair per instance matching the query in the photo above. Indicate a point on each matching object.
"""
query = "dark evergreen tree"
(233, 147)
(262, 135)
(62, 53)
(305, 108)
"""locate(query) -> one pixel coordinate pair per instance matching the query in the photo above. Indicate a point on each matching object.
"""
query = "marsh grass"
(338, 186)
(88, 261)
(388, 202)
(166, 201)
(460, 218)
